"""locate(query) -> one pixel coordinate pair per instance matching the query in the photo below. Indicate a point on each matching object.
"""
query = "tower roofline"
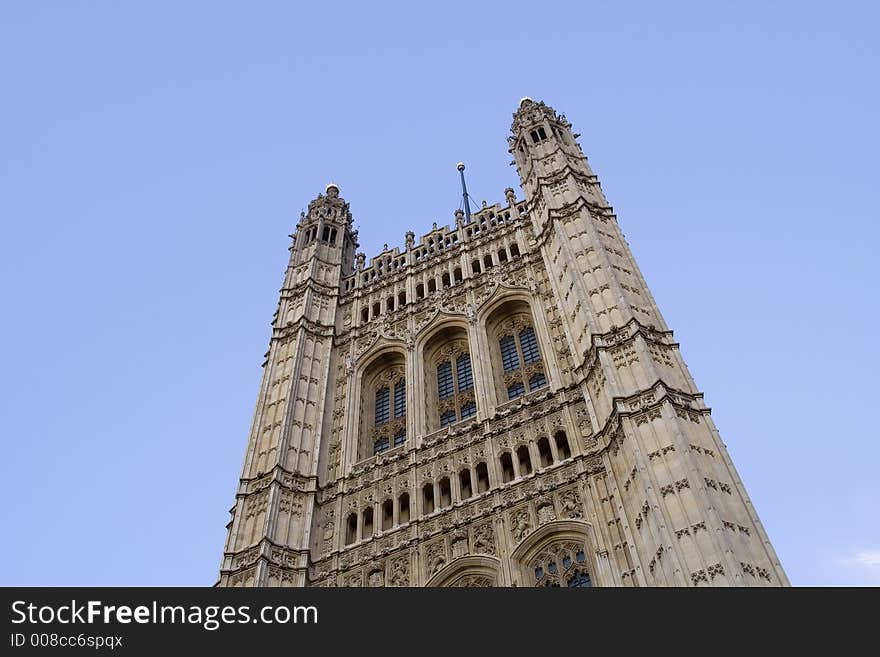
(430, 241)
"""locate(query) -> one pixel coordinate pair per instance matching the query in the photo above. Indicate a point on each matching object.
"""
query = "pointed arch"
(471, 570)
(381, 393)
(516, 350)
(448, 374)
(559, 553)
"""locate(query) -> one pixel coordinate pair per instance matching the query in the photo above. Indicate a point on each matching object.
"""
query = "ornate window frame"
(512, 326)
(468, 571)
(385, 369)
(551, 543)
(461, 400)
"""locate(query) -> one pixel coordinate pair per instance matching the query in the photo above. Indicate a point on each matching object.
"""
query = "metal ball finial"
(460, 166)
(330, 186)
(524, 99)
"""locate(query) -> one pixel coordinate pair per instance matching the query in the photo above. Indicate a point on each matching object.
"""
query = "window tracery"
(561, 564)
(455, 383)
(389, 417)
(383, 406)
(522, 366)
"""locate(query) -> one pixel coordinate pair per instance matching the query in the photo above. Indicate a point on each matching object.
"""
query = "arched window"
(562, 447)
(387, 515)
(563, 564)
(351, 528)
(383, 406)
(482, 478)
(445, 493)
(475, 266)
(525, 460)
(403, 508)
(428, 498)
(507, 472)
(545, 452)
(522, 367)
(452, 399)
(367, 522)
(464, 484)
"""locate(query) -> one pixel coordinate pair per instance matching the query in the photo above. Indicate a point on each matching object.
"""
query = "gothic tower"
(499, 404)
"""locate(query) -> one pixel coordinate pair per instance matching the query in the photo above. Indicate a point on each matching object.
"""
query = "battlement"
(437, 241)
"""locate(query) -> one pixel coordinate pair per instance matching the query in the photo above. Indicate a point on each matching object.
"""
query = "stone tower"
(497, 404)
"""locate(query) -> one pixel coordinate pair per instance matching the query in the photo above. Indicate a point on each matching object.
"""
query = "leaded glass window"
(521, 362)
(381, 406)
(386, 428)
(561, 563)
(509, 357)
(580, 579)
(529, 344)
(444, 380)
(516, 390)
(464, 372)
(455, 386)
(400, 399)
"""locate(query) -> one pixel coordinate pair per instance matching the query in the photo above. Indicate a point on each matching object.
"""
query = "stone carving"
(520, 524)
(473, 581)
(377, 578)
(353, 579)
(546, 513)
(459, 546)
(400, 571)
(570, 503)
(435, 557)
(484, 539)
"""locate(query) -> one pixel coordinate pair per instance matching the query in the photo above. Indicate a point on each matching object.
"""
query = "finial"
(459, 218)
(335, 189)
(460, 166)
(410, 239)
(524, 100)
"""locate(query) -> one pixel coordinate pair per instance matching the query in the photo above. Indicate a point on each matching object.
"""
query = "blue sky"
(155, 156)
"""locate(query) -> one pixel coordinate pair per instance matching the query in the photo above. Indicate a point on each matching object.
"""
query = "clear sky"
(155, 156)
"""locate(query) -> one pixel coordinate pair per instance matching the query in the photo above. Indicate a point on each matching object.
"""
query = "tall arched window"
(383, 409)
(449, 365)
(521, 366)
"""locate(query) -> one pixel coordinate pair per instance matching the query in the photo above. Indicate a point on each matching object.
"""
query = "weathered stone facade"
(499, 404)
